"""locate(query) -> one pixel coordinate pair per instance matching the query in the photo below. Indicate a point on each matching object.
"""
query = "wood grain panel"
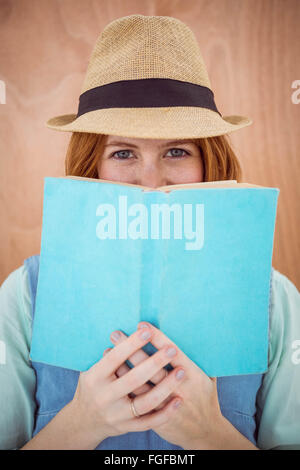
(251, 49)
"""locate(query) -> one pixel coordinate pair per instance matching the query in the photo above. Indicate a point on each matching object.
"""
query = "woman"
(146, 116)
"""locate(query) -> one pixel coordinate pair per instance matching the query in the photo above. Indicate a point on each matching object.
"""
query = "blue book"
(194, 260)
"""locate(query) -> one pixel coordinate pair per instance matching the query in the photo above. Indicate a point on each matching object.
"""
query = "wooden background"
(251, 49)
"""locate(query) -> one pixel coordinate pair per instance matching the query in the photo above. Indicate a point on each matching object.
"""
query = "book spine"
(152, 259)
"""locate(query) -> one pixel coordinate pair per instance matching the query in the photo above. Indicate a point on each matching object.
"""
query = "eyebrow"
(128, 144)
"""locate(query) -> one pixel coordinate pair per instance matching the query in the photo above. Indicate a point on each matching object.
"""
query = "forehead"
(118, 140)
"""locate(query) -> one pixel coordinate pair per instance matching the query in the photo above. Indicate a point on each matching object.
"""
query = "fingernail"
(179, 374)
(170, 352)
(115, 336)
(143, 325)
(145, 334)
(177, 403)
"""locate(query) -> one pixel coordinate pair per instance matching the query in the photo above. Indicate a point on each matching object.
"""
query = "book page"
(171, 187)
(195, 264)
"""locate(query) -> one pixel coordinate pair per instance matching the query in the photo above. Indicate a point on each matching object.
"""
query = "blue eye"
(123, 154)
(122, 157)
(178, 150)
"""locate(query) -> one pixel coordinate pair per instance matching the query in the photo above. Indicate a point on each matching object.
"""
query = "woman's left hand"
(198, 423)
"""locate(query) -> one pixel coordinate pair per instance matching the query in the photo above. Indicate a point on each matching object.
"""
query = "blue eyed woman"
(147, 116)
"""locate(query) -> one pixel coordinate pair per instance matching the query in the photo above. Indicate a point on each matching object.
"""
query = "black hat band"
(146, 93)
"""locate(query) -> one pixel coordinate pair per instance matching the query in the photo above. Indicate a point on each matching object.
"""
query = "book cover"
(194, 260)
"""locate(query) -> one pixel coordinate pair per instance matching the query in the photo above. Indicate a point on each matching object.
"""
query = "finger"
(138, 357)
(159, 340)
(119, 354)
(164, 402)
(106, 351)
(144, 388)
(142, 372)
(155, 419)
(158, 394)
(123, 369)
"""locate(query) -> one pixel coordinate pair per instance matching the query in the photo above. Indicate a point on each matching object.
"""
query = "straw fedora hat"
(146, 78)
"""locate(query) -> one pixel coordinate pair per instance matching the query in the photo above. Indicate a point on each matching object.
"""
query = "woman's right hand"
(101, 402)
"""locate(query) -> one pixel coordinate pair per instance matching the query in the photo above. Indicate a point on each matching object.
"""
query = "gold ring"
(135, 413)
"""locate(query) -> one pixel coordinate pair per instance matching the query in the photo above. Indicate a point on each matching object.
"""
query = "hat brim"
(151, 123)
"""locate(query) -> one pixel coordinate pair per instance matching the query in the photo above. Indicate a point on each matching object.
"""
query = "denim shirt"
(56, 386)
